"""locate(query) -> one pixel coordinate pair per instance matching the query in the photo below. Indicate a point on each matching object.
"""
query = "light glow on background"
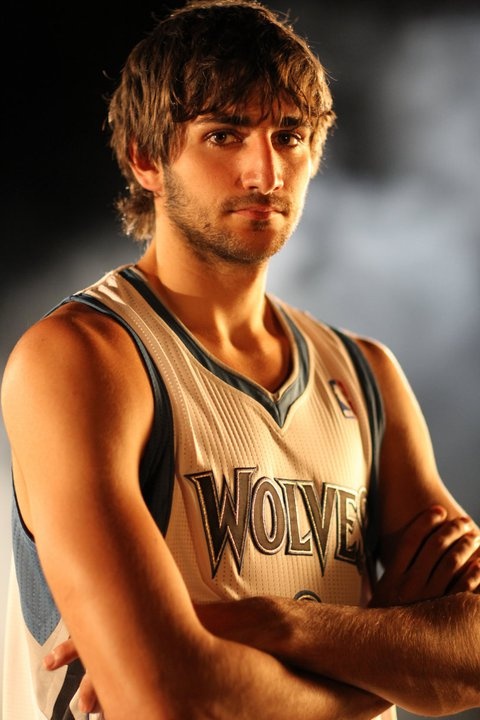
(389, 244)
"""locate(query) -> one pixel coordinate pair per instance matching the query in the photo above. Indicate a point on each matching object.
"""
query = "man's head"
(209, 57)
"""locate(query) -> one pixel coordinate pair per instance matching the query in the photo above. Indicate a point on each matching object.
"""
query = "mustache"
(278, 204)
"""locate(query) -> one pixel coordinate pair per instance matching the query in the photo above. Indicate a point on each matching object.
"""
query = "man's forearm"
(273, 690)
(337, 701)
(424, 657)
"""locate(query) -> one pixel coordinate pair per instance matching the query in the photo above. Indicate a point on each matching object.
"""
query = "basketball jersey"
(256, 493)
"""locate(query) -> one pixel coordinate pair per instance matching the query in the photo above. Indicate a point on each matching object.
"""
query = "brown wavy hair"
(208, 57)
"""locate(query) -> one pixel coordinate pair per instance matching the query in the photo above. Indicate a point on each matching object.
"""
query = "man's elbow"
(452, 700)
(465, 693)
(460, 688)
(454, 691)
(441, 698)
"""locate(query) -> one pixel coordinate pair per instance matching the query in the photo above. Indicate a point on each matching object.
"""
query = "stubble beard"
(212, 244)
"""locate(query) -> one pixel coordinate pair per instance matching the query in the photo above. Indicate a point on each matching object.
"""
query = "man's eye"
(222, 137)
(288, 139)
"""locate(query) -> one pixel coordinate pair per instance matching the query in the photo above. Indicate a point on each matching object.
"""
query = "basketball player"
(205, 476)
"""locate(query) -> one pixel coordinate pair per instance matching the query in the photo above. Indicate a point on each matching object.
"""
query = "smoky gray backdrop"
(389, 243)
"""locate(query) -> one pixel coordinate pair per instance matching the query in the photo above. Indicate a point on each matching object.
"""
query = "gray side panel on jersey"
(277, 409)
(38, 607)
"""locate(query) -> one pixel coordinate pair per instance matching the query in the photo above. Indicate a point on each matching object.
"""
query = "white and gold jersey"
(268, 491)
(256, 493)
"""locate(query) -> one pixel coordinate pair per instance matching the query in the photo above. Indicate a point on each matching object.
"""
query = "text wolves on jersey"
(268, 511)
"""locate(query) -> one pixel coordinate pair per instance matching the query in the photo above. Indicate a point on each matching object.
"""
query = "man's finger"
(61, 655)
(87, 697)
(468, 580)
(415, 535)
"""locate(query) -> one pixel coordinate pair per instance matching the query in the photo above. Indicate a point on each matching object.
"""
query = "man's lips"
(259, 208)
(258, 212)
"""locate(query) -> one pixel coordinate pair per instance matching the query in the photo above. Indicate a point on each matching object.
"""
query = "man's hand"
(64, 654)
(435, 557)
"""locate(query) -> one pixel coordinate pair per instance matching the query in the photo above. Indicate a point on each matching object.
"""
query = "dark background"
(64, 60)
(389, 244)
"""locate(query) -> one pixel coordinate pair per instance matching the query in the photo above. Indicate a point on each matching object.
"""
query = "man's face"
(236, 190)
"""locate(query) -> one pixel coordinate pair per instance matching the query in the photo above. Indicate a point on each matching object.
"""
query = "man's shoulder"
(73, 341)
(69, 323)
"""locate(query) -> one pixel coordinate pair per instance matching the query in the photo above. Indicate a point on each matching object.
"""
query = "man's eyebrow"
(243, 120)
(294, 121)
(287, 121)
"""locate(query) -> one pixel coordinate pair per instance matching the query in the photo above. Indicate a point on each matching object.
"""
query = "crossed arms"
(125, 603)
(420, 655)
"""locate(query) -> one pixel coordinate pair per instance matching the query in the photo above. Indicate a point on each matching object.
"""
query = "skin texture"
(85, 510)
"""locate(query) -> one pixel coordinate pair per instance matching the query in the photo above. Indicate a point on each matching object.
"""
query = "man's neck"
(210, 298)
(225, 308)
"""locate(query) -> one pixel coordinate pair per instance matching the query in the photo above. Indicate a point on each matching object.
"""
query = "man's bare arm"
(334, 700)
(435, 557)
(423, 657)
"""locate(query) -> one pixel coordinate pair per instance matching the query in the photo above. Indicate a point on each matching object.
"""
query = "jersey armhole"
(157, 466)
(376, 421)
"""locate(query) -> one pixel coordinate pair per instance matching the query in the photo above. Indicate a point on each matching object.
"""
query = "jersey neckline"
(276, 404)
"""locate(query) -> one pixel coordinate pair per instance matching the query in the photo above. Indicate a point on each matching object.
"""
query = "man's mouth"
(259, 209)
(257, 212)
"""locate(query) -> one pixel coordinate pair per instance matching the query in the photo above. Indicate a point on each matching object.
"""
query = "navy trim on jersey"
(277, 409)
(73, 678)
(158, 458)
(376, 421)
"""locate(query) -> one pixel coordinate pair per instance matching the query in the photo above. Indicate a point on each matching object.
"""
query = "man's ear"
(147, 173)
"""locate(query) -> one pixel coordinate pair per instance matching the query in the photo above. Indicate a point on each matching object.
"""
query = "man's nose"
(262, 168)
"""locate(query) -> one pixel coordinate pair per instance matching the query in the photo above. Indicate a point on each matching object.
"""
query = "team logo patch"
(341, 396)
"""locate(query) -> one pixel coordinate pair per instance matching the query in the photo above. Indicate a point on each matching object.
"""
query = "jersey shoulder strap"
(158, 457)
(376, 420)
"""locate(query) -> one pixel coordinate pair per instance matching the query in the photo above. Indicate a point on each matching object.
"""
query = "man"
(195, 463)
